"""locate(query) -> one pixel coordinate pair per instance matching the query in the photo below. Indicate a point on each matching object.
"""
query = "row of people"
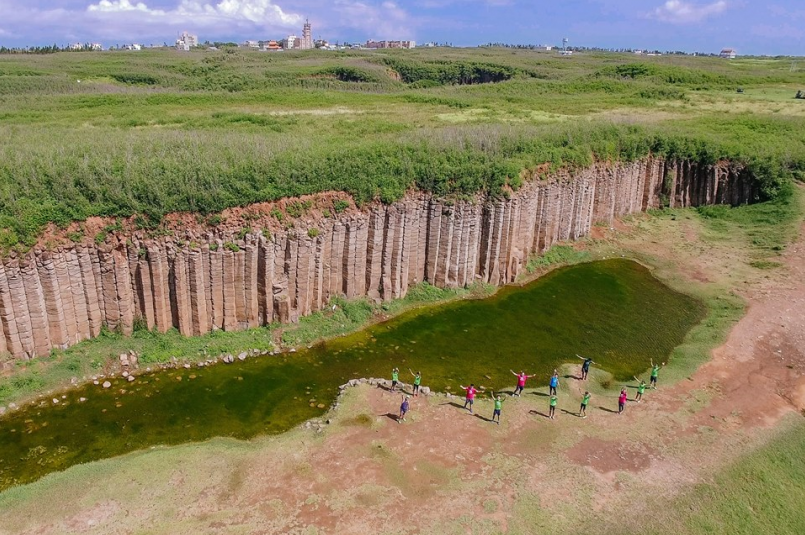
(522, 377)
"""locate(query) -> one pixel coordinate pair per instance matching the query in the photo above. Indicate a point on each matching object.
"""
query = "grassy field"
(117, 134)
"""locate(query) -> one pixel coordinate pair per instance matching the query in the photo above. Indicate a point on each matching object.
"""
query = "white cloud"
(679, 12)
(118, 5)
(384, 21)
(203, 14)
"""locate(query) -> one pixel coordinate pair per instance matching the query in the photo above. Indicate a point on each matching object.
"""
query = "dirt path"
(446, 471)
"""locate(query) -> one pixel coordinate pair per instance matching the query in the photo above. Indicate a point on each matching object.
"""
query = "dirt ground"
(447, 471)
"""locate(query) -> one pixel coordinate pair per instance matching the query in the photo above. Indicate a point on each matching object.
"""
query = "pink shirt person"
(471, 391)
(521, 377)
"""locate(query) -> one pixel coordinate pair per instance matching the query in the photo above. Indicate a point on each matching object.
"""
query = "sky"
(772, 27)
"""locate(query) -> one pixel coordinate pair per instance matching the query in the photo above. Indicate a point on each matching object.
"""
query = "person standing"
(655, 372)
(404, 406)
(584, 401)
(641, 388)
(585, 367)
(521, 379)
(498, 406)
(395, 378)
(554, 382)
(552, 407)
(622, 400)
(470, 399)
(417, 381)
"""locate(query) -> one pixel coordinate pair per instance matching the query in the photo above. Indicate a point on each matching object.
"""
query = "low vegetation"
(116, 134)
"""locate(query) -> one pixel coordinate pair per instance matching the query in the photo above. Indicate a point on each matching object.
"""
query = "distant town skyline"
(774, 28)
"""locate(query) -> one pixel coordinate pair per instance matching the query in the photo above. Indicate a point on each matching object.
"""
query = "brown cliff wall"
(196, 284)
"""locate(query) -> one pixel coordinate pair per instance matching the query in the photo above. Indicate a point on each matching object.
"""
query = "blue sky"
(750, 26)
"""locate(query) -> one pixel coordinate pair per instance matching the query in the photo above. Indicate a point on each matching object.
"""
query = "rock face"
(58, 298)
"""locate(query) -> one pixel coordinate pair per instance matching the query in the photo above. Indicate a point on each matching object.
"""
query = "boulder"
(130, 378)
(106, 384)
(424, 390)
(242, 356)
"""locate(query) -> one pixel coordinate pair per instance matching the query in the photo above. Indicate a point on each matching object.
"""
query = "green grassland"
(158, 131)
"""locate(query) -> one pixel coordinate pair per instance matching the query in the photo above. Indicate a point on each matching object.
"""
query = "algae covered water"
(615, 311)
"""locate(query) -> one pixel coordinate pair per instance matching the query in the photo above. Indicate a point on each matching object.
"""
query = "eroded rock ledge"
(56, 298)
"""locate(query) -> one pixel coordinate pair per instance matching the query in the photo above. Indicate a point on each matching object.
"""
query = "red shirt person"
(470, 399)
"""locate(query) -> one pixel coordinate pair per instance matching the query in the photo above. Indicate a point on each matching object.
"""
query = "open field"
(118, 134)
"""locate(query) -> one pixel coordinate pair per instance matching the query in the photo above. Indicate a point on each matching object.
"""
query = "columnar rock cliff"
(213, 280)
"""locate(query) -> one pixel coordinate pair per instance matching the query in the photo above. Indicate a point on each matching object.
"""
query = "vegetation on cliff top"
(117, 134)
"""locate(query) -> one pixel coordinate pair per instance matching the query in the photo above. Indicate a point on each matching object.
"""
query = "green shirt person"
(641, 389)
(395, 378)
(417, 381)
(552, 408)
(655, 372)
(584, 402)
(498, 400)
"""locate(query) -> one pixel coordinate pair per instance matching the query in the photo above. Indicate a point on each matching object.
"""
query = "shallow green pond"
(613, 311)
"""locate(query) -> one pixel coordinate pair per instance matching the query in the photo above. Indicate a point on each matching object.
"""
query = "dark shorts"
(393, 384)
(403, 410)
(496, 412)
(416, 387)
(469, 400)
(583, 407)
(585, 370)
(653, 379)
(621, 405)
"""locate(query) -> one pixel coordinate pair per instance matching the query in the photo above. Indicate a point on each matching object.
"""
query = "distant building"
(545, 48)
(133, 46)
(390, 44)
(186, 41)
(290, 42)
(96, 46)
(75, 46)
(728, 53)
(271, 45)
(250, 44)
(307, 37)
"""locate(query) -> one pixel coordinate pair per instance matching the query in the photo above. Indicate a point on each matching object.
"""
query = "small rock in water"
(82, 400)
(321, 405)
(125, 374)
(95, 382)
(293, 350)
(242, 356)
(130, 378)
(55, 400)
(12, 406)
(187, 366)
(3, 410)
(107, 384)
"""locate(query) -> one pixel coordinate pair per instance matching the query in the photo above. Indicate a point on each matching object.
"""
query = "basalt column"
(222, 279)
